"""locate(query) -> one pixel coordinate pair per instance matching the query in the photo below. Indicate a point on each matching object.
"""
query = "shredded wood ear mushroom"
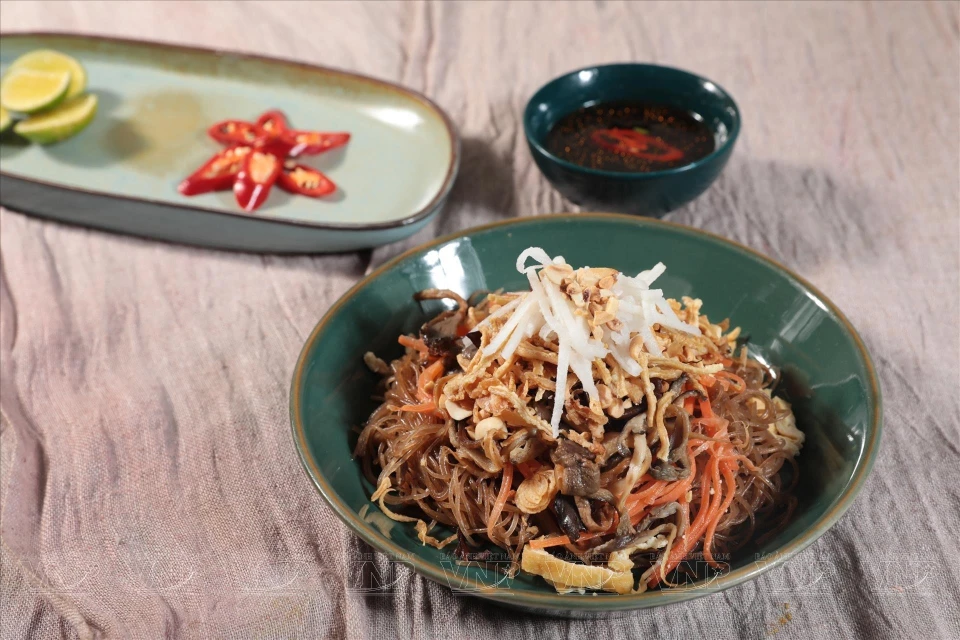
(588, 415)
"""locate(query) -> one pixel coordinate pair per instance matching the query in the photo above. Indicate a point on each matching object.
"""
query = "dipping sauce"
(634, 137)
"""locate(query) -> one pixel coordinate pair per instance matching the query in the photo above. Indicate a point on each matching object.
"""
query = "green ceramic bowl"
(830, 380)
(649, 194)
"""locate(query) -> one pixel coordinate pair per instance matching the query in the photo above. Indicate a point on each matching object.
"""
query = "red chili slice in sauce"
(636, 144)
(217, 173)
(256, 177)
(305, 181)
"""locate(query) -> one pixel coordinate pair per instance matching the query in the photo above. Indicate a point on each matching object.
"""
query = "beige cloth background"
(148, 479)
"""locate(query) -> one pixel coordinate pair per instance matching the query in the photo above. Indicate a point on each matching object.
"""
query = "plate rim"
(553, 602)
(453, 164)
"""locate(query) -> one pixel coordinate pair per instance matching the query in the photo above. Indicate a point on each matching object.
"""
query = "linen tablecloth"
(149, 482)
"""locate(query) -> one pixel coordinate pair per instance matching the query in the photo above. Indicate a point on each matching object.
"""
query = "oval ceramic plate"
(827, 373)
(156, 103)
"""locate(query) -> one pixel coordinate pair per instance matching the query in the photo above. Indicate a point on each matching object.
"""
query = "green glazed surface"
(649, 194)
(156, 103)
(827, 372)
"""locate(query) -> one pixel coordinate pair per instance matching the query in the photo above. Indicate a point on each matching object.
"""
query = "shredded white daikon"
(545, 310)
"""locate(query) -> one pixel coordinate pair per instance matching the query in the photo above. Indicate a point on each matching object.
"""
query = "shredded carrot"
(429, 374)
(648, 490)
(674, 491)
(677, 490)
(715, 427)
(713, 466)
(727, 377)
(691, 538)
(646, 495)
(688, 405)
(505, 487)
(426, 407)
(708, 380)
(705, 444)
(413, 343)
(543, 543)
(556, 541)
(705, 409)
(639, 508)
(682, 548)
(712, 524)
(462, 330)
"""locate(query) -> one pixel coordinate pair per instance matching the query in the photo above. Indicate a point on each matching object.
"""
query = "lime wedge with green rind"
(66, 120)
(54, 61)
(5, 119)
(29, 91)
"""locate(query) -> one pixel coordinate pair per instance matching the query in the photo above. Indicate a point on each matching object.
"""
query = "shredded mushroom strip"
(588, 423)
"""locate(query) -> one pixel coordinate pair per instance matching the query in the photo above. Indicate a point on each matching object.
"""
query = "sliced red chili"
(280, 146)
(309, 143)
(234, 132)
(217, 173)
(636, 144)
(273, 122)
(306, 181)
(258, 157)
(256, 177)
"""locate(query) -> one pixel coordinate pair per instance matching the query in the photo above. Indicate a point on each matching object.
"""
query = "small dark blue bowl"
(652, 193)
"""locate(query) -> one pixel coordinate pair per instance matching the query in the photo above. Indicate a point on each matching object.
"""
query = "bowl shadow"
(485, 186)
(801, 216)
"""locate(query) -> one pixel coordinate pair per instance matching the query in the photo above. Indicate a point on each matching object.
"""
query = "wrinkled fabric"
(149, 487)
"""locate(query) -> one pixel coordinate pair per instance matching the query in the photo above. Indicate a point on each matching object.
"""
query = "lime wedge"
(57, 124)
(54, 61)
(5, 119)
(28, 91)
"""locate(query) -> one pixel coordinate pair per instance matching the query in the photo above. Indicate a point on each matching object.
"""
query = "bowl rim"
(633, 175)
(590, 602)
